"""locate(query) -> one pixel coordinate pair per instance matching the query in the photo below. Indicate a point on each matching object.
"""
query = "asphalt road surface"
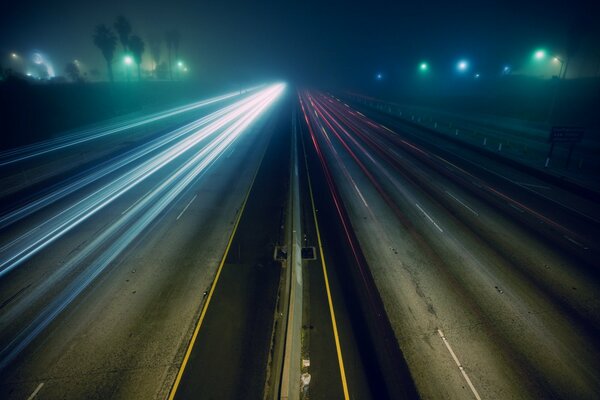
(492, 291)
(136, 260)
(100, 293)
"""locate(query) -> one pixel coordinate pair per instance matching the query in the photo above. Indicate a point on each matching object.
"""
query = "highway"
(491, 290)
(146, 257)
(103, 282)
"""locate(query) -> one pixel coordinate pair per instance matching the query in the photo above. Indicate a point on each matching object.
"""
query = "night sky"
(306, 40)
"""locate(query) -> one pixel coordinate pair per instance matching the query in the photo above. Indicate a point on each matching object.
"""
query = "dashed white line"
(532, 185)
(462, 369)
(137, 201)
(576, 242)
(186, 207)
(519, 209)
(35, 392)
(429, 218)
(463, 204)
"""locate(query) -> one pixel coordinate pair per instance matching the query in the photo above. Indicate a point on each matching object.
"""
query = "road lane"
(522, 330)
(122, 337)
(228, 355)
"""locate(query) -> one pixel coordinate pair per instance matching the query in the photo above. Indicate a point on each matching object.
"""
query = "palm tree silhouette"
(137, 47)
(173, 38)
(106, 41)
(123, 28)
(155, 51)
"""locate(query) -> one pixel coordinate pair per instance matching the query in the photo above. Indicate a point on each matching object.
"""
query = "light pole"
(540, 55)
(557, 59)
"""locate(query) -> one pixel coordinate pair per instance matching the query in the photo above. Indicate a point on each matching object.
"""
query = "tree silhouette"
(72, 71)
(173, 39)
(137, 47)
(106, 41)
(123, 28)
(155, 51)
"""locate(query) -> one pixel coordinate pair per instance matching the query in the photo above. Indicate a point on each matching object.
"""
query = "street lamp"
(423, 66)
(128, 60)
(462, 65)
(557, 60)
(14, 55)
(180, 64)
(539, 54)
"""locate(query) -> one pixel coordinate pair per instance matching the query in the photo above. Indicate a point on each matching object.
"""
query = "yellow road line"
(329, 299)
(212, 288)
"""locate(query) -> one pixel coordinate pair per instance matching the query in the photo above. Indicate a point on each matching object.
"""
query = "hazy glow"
(30, 243)
(34, 150)
(462, 65)
(208, 142)
(539, 54)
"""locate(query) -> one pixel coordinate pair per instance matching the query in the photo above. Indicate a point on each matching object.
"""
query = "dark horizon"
(333, 44)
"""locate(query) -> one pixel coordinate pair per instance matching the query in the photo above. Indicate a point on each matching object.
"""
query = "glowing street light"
(180, 64)
(128, 60)
(14, 55)
(477, 76)
(423, 66)
(539, 54)
(379, 76)
(462, 65)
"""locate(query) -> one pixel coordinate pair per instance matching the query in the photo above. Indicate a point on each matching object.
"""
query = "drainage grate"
(280, 253)
(309, 253)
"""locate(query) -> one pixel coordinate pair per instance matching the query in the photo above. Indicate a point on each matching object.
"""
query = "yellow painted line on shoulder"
(214, 285)
(338, 348)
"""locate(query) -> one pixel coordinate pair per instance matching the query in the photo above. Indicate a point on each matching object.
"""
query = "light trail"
(37, 149)
(120, 234)
(30, 243)
(66, 188)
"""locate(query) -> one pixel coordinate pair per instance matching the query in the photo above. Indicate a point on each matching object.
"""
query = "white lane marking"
(346, 105)
(462, 369)
(464, 205)
(524, 186)
(186, 207)
(532, 185)
(35, 392)
(519, 209)
(360, 194)
(137, 201)
(359, 113)
(386, 128)
(576, 242)
(429, 218)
